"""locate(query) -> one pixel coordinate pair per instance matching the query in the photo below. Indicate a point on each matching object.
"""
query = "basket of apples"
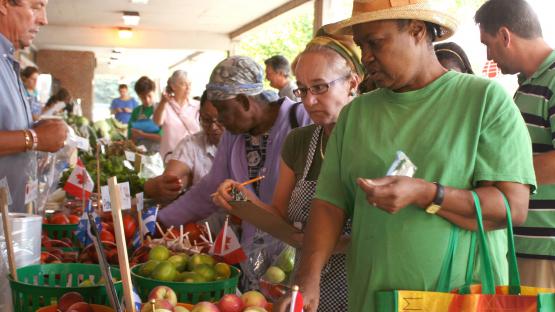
(194, 278)
(41, 285)
(58, 230)
(74, 302)
(164, 299)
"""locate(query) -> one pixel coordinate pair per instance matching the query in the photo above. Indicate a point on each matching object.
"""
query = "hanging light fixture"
(125, 32)
(131, 18)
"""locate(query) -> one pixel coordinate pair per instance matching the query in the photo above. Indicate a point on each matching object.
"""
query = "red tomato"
(108, 227)
(129, 225)
(106, 236)
(59, 218)
(194, 231)
(73, 219)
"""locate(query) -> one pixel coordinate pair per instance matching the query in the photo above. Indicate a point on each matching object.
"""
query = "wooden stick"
(209, 233)
(170, 233)
(8, 231)
(115, 199)
(160, 229)
(181, 236)
(140, 222)
(98, 197)
(222, 247)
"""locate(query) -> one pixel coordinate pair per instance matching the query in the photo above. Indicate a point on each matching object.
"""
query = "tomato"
(194, 231)
(106, 236)
(59, 218)
(129, 225)
(108, 227)
(73, 219)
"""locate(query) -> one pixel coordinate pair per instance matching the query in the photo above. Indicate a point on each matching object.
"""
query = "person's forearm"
(151, 136)
(544, 166)
(458, 205)
(322, 233)
(158, 116)
(152, 188)
(12, 142)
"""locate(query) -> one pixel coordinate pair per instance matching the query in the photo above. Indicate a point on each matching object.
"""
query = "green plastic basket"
(42, 285)
(59, 231)
(188, 292)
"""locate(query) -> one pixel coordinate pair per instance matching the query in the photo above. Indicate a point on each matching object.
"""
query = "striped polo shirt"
(536, 100)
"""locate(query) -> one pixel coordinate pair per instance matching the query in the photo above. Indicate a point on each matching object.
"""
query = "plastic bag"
(261, 254)
(402, 166)
(277, 279)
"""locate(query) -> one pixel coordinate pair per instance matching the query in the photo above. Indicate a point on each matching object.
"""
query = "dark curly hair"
(144, 85)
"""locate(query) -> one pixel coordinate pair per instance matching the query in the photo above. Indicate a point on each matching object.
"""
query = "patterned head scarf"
(235, 75)
(343, 45)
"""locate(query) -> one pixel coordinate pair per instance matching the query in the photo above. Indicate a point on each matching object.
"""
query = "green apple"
(164, 271)
(206, 271)
(286, 260)
(159, 253)
(195, 260)
(86, 283)
(147, 267)
(274, 275)
(189, 277)
(222, 270)
(179, 261)
(207, 259)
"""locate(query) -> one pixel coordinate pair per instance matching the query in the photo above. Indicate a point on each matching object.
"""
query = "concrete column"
(75, 70)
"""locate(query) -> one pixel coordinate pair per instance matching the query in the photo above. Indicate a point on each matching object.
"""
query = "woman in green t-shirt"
(328, 73)
(142, 129)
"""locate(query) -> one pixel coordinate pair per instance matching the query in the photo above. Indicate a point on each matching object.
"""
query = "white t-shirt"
(196, 153)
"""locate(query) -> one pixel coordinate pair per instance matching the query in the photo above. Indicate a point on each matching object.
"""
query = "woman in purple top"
(256, 125)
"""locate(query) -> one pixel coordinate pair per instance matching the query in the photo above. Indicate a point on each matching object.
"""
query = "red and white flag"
(230, 250)
(296, 300)
(490, 69)
(79, 182)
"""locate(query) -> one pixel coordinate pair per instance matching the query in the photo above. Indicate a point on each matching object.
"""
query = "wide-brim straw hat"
(365, 11)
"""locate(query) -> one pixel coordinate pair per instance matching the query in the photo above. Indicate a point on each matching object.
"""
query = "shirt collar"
(6, 47)
(210, 149)
(546, 64)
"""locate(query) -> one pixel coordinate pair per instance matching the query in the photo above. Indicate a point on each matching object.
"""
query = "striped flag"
(137, 300)
(83, 232)
(136, 242)
(149, 221)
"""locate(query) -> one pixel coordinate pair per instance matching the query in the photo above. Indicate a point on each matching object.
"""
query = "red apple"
(230, 303)
(205, 306)
(68, 299)
(80, 307)
(58, 218)
(165, 293)
(73, 219)
(253, 299)
(160, 305)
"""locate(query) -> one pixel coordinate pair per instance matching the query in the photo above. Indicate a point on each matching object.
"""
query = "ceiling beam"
(187, 58)
(266, 17)
(52, 35)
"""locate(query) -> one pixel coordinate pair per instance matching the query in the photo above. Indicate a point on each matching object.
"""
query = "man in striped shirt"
(511, 31)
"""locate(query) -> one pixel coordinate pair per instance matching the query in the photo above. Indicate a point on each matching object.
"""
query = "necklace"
(322, 143)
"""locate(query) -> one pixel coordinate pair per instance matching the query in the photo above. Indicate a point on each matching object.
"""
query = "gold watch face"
(433, 208)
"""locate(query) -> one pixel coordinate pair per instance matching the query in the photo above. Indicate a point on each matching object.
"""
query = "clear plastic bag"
(277, 279)
(402, 166)
(261, 253)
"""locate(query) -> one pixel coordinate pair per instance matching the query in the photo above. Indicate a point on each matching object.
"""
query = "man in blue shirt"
(124, 105)
(20, 21)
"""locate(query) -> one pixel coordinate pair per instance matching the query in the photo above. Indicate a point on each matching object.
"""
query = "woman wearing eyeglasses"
(328, 73)
(191, 159)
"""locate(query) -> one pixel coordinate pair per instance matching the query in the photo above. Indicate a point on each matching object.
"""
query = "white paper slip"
(31, 191)
(140, 201)
(129, 155)
(125, 197)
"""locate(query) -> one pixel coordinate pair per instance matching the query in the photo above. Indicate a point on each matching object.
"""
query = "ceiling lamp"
(125, 32)
(131, 18)
(139, 1)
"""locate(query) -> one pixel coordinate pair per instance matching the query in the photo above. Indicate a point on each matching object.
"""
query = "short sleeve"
(289, 151)
(332, 187)
(504, 148)
(185, 151)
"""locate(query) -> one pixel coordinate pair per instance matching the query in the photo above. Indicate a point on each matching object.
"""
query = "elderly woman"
(328, 72)
(256, 124)
(463, 133)
(176, 113)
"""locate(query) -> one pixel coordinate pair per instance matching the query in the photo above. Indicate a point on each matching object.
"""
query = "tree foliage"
(288, 40)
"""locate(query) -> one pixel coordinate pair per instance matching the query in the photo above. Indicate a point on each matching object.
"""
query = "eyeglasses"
(207, 122)
(316, 89)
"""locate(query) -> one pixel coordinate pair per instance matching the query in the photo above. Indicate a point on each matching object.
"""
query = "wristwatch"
(435, 206)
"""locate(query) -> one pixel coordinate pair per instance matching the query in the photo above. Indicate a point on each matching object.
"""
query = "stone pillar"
(75, 70)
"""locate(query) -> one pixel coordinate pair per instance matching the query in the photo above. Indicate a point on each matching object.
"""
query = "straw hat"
(376, 10)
